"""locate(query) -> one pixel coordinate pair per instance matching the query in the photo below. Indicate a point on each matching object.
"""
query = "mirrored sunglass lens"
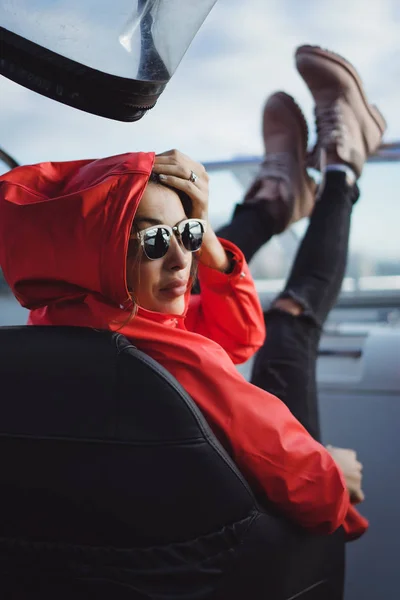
(156, 242)
(192, 236)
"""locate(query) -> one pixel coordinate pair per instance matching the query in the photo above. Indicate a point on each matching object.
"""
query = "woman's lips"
(175, 289)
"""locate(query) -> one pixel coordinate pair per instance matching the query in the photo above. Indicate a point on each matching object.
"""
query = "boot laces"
(331, 128)
(274, 165)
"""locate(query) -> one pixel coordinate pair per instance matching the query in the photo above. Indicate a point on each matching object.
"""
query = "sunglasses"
(156, 240)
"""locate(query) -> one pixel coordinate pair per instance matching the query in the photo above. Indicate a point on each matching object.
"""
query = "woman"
(101, 244)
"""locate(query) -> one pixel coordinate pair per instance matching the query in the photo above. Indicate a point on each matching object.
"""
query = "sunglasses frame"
(176, 230)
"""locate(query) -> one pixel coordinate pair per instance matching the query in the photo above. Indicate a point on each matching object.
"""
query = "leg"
(285, 365)
(283, 192)
(247, 218)
(349, 130)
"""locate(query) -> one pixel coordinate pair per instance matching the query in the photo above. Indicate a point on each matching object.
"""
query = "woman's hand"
(351, 469)
(182, 173)
(175, 169)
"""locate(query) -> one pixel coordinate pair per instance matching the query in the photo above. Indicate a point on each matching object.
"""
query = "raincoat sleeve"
(228, 310)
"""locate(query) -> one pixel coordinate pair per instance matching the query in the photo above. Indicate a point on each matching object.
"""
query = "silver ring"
(193, 177)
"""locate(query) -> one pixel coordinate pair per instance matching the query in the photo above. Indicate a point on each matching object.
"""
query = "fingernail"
(162, 177)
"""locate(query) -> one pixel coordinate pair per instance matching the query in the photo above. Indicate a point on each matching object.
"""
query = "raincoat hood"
(95, 201)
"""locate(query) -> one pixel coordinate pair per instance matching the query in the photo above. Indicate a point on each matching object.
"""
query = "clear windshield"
(136, 39)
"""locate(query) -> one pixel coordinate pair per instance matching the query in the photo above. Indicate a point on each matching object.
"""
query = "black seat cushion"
(112, 475)
(96, 431)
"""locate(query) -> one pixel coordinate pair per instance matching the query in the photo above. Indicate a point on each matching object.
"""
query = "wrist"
(212, 253)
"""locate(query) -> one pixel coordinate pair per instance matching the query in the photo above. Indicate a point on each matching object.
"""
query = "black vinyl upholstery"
(112, 485)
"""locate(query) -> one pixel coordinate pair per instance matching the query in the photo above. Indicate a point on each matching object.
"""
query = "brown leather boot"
(283, 188)
(349, 128)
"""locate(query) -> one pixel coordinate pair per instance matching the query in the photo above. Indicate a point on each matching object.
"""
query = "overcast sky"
(211, 108)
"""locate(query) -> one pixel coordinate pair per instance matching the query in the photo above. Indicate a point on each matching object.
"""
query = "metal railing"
(389, 152)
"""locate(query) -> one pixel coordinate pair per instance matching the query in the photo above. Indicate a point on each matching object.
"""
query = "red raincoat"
(64, 230)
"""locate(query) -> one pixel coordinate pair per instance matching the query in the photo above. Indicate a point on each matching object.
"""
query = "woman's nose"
(177, 256)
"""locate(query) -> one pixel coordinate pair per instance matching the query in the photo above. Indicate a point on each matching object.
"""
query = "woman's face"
(159, 285)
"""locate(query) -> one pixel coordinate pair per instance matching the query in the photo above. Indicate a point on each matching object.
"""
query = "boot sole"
(292, 106)
(372, 110)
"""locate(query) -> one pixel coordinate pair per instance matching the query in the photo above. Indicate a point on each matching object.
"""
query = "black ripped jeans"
(286, 363)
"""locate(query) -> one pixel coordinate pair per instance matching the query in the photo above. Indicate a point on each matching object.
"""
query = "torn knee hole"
(289, 305)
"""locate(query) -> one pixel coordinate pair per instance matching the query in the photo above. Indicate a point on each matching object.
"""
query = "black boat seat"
(113, 485)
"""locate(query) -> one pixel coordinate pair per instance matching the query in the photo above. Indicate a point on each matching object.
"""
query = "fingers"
(344, 453)
(177, 164)
(351, 468)
(173, 155)
(357, 496)
(172, 152)
(181, 184)
(175, 169)
(170, 173)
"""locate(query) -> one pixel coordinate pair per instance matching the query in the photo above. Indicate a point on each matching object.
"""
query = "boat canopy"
(108, 57)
